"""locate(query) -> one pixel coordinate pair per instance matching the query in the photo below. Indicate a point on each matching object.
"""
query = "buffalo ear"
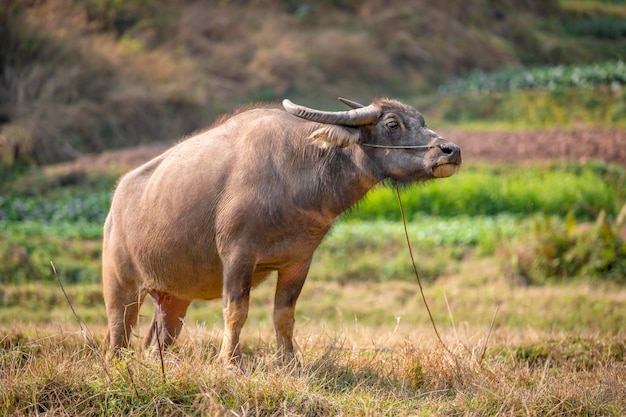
(335, 135)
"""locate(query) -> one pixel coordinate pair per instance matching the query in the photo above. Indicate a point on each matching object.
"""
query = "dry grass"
(365, 349)
(52, 370)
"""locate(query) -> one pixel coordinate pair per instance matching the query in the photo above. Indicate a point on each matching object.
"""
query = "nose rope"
(370, 145)
(417, 276)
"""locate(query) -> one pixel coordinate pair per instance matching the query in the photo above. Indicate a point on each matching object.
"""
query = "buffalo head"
(393, 135)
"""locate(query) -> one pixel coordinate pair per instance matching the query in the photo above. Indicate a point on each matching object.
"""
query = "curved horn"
(350, 103)
(356, 117)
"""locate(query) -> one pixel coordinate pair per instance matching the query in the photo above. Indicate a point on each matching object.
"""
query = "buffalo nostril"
(452, 151)
(448, 148)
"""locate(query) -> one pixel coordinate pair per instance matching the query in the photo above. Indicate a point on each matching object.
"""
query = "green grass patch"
(538, 249)
(28, 247)
(353, 250)
(593, 8)
(582, 190)
(376, 251)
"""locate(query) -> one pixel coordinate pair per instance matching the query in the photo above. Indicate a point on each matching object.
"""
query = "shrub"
(562, 251)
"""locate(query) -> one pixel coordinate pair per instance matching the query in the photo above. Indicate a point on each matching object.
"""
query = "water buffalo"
(216, 214)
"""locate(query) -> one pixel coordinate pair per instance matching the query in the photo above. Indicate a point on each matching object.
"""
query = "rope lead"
(419, 282)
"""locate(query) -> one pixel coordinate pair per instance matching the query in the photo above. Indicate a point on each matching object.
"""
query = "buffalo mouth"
(446, 169)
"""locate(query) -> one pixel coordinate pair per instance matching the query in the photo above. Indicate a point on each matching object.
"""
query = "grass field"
(528, 299)
(366, 348)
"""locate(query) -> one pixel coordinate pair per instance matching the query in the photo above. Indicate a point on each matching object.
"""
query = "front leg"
(288, 287)
(236, 301)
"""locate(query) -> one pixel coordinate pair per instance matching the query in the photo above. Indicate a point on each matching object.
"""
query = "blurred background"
(532, 91)
(84, 76)
(522, 254)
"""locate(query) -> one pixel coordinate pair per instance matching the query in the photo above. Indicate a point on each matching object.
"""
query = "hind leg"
(169, 315)
(122, 300)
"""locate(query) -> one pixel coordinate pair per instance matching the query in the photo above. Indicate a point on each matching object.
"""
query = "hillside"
(82, 76)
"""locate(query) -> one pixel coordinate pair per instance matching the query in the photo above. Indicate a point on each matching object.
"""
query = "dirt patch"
(112, 162)
(578, 145)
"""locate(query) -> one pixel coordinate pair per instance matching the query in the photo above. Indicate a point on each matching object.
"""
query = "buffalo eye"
(392, 125)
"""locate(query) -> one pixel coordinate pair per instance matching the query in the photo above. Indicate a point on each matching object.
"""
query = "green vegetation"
(531, 109)
(67, 206)
(594, 19)
(25, 256)
(583, 190)
(62, 205)
(546, 78)
(557, 251)
(601, 27)
(535, 96)
(557, 189)
(481, 209)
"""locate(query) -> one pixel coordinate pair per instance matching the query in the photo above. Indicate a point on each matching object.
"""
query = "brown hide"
(217, 213)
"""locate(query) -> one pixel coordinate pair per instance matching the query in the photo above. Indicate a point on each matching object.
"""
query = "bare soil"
(579, 145)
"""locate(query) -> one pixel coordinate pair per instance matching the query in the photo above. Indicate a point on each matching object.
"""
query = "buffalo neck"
(341, 178)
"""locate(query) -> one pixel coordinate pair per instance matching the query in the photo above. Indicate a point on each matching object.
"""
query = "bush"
(561, 251)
